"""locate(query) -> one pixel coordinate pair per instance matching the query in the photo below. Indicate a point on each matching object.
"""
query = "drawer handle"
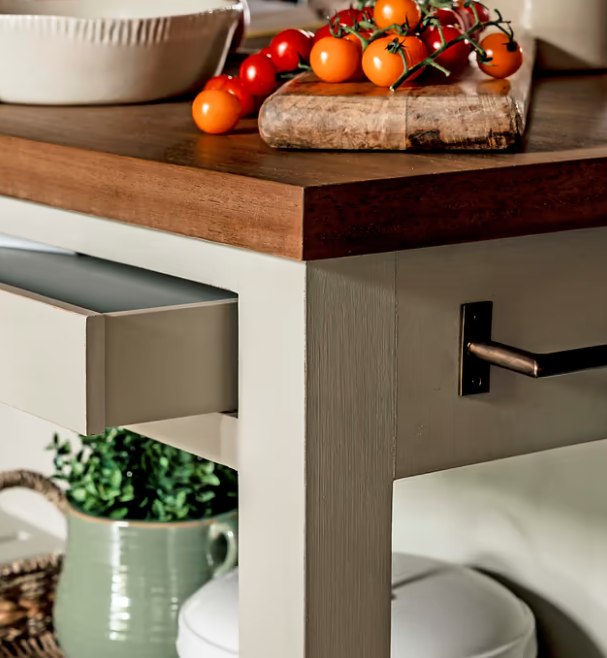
(478, 353)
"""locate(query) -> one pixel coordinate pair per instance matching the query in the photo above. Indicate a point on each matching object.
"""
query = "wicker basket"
(27, 587)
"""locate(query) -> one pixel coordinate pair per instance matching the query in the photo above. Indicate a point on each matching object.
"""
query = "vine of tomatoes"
(388, 42)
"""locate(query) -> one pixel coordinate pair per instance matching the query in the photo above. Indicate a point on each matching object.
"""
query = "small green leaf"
(116, 479)
(78, 495)
(119, 513)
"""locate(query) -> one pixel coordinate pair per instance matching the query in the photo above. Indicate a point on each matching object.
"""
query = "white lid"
(439, 610)
(442, 610)
(211, 617)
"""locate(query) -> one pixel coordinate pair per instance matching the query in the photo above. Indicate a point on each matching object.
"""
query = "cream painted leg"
(316, 457)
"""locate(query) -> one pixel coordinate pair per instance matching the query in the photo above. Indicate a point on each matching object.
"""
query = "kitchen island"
(351, 270)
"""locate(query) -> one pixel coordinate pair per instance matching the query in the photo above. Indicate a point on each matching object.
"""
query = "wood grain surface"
(470, 112)
(149, 165)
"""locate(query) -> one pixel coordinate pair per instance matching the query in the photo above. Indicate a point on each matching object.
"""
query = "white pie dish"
(100, 52)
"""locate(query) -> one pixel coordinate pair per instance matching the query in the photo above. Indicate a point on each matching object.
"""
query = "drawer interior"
(99, 285)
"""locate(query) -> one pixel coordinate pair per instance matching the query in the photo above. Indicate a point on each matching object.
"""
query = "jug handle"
(221, 529)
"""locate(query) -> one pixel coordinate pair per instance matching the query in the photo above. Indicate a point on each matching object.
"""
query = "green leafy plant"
(123, 475)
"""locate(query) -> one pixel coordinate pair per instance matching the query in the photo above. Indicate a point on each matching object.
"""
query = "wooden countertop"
(149, 165)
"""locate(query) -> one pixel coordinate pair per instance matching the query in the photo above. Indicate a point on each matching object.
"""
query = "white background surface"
(540, 520)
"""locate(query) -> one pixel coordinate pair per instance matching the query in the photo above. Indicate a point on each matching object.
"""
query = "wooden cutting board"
(471, 112)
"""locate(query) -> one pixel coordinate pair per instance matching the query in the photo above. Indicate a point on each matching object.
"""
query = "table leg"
(316, 458)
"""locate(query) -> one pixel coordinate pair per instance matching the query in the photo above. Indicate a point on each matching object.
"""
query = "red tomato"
(335, 60)
(384, 68)
(450, 17)
(216, 111)
(266, 51)
(506, 56)
(258, 74)
(234, 86)
(348, 16)
(455, 58)
(218, 82)
(366, 14)
(399, 12)
(288, 47)
(483, 13)
(345, 17)
(323, 33)
(247, 103)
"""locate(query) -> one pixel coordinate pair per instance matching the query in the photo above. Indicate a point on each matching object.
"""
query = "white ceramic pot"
(570, 35)
(438, 611)
(93, 52)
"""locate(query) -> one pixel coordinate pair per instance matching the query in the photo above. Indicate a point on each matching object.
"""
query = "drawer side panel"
(171, 362)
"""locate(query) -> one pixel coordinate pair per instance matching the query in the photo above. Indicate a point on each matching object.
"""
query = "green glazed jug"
(123, 582)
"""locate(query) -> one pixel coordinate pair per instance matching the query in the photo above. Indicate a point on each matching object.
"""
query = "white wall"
(540, 520)
(23, 439)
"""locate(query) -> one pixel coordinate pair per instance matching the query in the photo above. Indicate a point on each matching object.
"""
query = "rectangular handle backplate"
(476, 323)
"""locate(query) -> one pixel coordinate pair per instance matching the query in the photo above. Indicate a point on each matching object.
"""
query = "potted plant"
(148, 525)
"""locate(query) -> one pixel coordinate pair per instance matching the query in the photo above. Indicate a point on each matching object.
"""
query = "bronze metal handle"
(478, 353)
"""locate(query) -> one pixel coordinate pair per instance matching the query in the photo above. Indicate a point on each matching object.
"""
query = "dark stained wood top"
(149, 165)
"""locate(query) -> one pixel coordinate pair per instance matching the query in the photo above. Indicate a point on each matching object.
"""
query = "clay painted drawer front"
(89, 344)
(548, 295)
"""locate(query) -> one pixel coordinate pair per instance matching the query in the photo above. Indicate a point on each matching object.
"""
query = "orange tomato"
(506, 56)
(359, 73)
(384, 68)
(399, 12)
(354, 39)
(335, 60)
(216, 111)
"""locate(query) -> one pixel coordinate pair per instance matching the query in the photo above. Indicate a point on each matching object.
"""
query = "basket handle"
(35, 482)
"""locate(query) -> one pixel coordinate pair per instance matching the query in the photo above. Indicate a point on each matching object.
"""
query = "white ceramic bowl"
(439, 610)
(99, 52)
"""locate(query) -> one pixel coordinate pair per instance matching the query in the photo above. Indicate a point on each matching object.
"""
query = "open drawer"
(90, 344)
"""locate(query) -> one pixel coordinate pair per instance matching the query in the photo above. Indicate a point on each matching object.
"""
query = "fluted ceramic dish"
(100, 52)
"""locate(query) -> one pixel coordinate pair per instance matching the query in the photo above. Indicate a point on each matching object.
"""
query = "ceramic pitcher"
(123, 582)
(570, 35)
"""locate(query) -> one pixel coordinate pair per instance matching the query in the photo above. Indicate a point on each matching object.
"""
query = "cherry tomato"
(216, 111)
(348, 16)
(384, 68)
(234, 86)
(266, 51)
(258, 74)
(390, 12)
(455, 58)
(335, 60)
(323, 33)
(506, 56)
(288, 47)
(354, 39)
(366, 14)
(218, 82)
(345, 17)
(483, 13)
(359, 74)
(450, 17)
